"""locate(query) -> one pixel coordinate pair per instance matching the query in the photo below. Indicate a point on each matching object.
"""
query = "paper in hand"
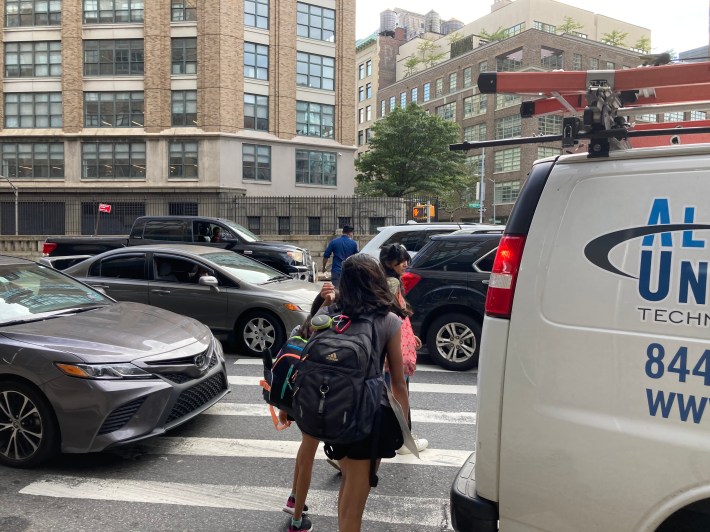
(409, 442)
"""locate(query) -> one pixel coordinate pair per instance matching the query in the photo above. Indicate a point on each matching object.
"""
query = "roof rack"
(605, 98)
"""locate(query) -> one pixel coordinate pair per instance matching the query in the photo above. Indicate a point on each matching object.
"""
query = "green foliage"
(454, 37)
(409, 154)
(429, 53)
(497, 35)
(643, 44)
(410, 65)
(615, 38)
(569, 25)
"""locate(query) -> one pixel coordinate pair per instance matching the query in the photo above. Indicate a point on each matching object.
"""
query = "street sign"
(474, 205)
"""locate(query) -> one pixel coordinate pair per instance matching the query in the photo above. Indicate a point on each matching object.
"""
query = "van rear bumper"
(469, 512)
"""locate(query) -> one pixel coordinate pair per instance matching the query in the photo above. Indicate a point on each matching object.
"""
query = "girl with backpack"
(363, 293)
(395, 259)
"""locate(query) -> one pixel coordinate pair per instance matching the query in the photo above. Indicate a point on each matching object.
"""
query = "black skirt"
(390, 439)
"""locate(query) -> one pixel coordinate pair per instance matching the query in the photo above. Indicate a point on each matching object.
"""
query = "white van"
(594, 372)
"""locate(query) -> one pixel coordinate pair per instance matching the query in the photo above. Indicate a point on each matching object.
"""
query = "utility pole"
(482, 186)
(17, 217)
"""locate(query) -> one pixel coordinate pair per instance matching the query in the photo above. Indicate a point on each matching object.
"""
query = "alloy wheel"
(456, 342)
(21, 427)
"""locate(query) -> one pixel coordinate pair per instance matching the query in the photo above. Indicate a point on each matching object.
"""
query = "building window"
(368, 90)
(32, 13)
(415, 95)
(360, 137)
(33, 59)
(403, 99)
(315, 22)
(256, 162)
(393, 102)
(316, 168)
(427, 92)
(576, 62)
(551, 59)
(507, 100)
(374, 223)
(113, 109)
(610, 65)
(648, 117)
(506, 192)
(549, 125)
(506, 160)
(368, 66)
(28, 159)
(382, 108)
(439, 87)
(475, 133)
(368, 134)
(113, 160)
(361, 71)
(475, 164)
(361, 93)
(593, 63)
(33, 110)
(545, 151)
(184, 55)
(184, 108)
(315, 71)
(510, 62)
(368, 113)
(316, 119)
(474, 105)
(549, 28)
(453, 80)
(515, 30)
(447, 111)
(256, 112)
(256, 61)
(676, 116)
(256, 13)
(183, 10)
(113, 11)
(508, 127)
(360, 115)
(183, 159)
(467, 79)
(314, 225)
(284, 225)
(187, 208)
(698, 115)
(483, 66)
(113, 57)
(254, 224)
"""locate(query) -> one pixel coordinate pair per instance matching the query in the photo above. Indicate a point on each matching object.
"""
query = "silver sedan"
(80, 372)
(240, 299)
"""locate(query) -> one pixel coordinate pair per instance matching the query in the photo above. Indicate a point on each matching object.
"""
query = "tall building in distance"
(187, 98)
(416, 24)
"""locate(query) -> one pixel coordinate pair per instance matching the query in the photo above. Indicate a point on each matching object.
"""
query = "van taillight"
(410, 280)
(501, 287)
(48, 247)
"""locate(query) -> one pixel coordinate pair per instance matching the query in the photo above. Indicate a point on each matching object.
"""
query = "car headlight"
(297, 256)
(103, 371)
(293, 307)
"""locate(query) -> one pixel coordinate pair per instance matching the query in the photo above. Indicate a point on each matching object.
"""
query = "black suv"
(446, 285)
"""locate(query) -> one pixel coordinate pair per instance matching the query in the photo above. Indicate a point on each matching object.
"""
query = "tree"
(462, 193)
(409, 154)
(569, 25)
(643, 44)
(615, 38)
(497, 35)
(410, 65)
(454, 38)
(429, 53)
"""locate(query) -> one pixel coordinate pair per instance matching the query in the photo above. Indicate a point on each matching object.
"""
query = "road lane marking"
(430, 512)
(467, 389)
(418, 416)
(252, 448)
(420, 367)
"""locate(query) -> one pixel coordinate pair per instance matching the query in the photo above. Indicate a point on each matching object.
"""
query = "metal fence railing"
(268, 215)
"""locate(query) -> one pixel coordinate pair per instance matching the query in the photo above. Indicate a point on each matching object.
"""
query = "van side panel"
(606, 382)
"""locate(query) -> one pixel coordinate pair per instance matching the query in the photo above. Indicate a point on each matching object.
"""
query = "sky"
(685, 28)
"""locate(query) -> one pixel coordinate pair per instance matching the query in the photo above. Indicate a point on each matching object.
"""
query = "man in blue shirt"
(341, 248)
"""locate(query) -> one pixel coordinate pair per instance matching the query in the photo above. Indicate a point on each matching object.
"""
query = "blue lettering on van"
(680, 364)
(687, 405)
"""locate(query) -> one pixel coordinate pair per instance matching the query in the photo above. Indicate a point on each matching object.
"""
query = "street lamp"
(17, 218)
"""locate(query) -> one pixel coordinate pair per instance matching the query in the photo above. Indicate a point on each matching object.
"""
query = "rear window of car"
(414, 240)
(451, 256)
(168, 230)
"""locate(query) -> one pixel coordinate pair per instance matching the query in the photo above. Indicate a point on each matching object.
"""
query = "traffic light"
(419, 213)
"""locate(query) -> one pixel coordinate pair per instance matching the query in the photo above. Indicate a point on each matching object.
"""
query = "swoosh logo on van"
(597, 251)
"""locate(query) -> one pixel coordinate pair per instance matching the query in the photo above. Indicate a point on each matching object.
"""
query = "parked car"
(241, 300)
(414, 236)
(292, 260)
(80, 372)
(446, 286)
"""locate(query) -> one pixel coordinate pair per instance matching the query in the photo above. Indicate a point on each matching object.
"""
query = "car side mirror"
(211, 281)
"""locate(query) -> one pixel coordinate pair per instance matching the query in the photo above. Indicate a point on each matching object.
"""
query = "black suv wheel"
(453, 341)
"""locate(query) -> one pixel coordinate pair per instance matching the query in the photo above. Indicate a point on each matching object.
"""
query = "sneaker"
(422, 443)
(306, 526)
(334, 463)
(290, 505)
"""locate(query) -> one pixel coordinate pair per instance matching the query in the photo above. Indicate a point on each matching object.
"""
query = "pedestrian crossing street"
(237, 463)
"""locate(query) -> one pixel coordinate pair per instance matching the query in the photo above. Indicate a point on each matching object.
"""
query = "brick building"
(191, 98)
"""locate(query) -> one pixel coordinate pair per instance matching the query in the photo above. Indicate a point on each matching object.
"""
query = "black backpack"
(279, 373)
(339, 383)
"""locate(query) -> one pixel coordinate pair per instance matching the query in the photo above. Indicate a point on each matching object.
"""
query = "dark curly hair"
(363, 288)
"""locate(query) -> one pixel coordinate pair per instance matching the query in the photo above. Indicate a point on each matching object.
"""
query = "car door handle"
(485, 281)
(160, 291)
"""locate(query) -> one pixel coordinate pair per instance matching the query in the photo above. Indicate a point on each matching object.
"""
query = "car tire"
(453, 341)
(31, 435)
(257, 332)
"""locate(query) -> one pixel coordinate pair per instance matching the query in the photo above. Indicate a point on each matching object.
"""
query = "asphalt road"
(229, 469)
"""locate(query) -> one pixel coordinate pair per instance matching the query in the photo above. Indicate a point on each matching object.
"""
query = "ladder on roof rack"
(605, 98)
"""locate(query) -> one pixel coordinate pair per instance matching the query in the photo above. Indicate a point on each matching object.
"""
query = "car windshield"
(28, 290)
(243, 232)
(243, 267)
